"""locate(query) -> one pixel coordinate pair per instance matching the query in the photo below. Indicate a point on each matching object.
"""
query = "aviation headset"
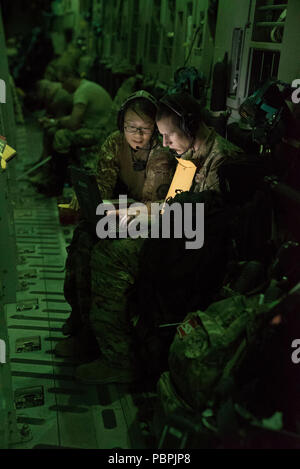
(186, 108)
(190, 80)
(266, 112)
(138, 94)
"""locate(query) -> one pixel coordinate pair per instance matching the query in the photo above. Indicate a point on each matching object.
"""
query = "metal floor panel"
(73, 415)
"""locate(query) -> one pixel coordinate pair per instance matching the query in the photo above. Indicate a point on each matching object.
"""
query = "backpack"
(209, 347)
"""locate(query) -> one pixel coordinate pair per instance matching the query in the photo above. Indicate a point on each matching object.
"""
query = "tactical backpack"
(208, 348)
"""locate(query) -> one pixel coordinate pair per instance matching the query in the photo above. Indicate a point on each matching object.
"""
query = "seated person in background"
(51, 96)
(70, 57)
(114, 263)
(131, 157)
(56, 102)
(83, 127)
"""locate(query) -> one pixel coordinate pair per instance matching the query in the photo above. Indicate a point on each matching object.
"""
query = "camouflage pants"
(89, 139)
(65, 138)
(114, 266)
(77, 285)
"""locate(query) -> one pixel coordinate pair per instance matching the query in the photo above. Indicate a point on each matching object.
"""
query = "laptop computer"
(88, 194)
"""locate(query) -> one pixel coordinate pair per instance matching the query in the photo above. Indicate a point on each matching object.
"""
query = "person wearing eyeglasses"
(131, 161)
(133, 154)
(115, 263)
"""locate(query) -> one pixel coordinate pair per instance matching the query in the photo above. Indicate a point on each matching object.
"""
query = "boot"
(66, 348)
(81, 348)
(69, 327)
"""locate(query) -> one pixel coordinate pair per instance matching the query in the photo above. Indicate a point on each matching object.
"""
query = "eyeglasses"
(133, 130)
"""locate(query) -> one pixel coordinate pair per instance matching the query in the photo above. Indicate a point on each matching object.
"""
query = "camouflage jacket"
(213, 152)
(115, 160)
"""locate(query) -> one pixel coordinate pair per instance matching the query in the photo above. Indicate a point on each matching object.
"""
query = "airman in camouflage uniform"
(112, 275)
(213, 152)
(115, 165)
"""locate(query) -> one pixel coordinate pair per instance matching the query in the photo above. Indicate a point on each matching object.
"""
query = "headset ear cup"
(190, 125)
(183, 125)
(189, 118)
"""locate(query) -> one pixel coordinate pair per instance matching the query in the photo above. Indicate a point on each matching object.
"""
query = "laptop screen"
(87, 193)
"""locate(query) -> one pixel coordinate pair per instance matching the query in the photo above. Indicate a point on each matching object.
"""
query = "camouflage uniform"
(65, 138)
(113, 163)
(58, 143)
(112, 277)
(213, 152)
(118, 260)
(78, 278)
